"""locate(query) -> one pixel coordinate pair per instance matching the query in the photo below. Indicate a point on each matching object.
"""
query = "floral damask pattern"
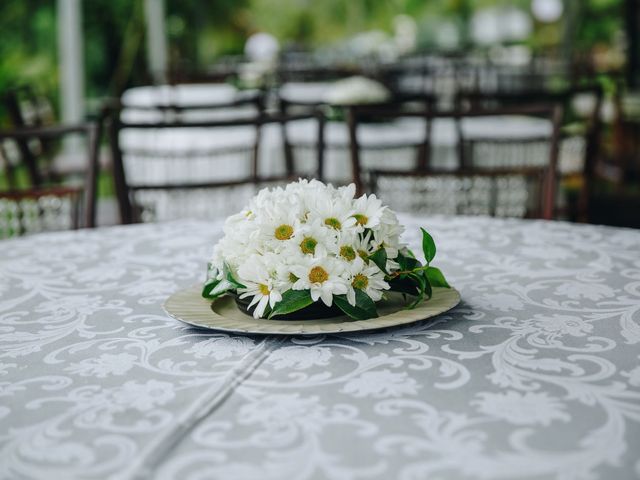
(536, 374)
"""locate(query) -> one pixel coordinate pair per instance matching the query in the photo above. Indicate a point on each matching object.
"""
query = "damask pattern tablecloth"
(536, 374)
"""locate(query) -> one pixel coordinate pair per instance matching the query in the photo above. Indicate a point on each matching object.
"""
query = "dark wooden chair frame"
(427, 102)
(124, 190)
(73, 193)
(40, 163)
(92, 132)
(593, 133)
(551, 112)
(543, 210)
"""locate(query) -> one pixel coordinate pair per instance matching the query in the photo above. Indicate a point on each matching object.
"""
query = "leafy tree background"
(200, 31)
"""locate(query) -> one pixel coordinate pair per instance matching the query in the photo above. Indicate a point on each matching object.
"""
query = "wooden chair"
(25, 212)
(188, 182)
(46, 163)
(580, 136)
(500, 189)
(78, 196)
(294, 147)
(522, 193)
(28, 108)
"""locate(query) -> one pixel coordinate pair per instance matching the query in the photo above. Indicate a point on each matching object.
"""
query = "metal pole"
(71, 58)
(156, 40)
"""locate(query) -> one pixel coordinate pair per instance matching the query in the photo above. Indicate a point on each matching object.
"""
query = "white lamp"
(547, 11)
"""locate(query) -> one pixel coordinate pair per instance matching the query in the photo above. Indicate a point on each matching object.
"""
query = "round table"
(536, 374)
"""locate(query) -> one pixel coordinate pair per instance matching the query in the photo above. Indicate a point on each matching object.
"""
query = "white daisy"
(274, 226)
(363, 245)
(387, 234)
(366, 277)
(323, 277)
(312, 238)
(334, 211)
(260, 284)
(368, 211)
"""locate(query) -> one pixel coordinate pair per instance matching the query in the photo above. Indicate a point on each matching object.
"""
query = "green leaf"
(214, 288)
(416, 302)
(403, 284)
(364, 308)
(419, 280)
(421, 284)
(436, 278)
(427, 287)
(222, 287)
(428, 246)
(379, 257)
(407, 252)
(407, 263)
(211, 280)
(228, 275)
(208, 287)
(292, 301)
(212, 272)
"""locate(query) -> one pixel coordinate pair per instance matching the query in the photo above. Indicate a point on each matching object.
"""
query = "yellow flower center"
(361, 219)
(293, 278)
(318, 275)
(308, 245)
(264, 290)
(363, 254)
(348, 253)
(360, 282)
(333, 223)
(284, 232)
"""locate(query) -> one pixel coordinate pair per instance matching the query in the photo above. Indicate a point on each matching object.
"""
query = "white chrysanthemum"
(366, 277)
(363, 245)
(333, 211)
(323, 277)
(348, 243)
(314, 238)
(387, 234)
(368, 211)
(260, 284)
(275, 227)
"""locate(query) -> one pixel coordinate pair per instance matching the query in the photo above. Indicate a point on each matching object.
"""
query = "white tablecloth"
(536, 374)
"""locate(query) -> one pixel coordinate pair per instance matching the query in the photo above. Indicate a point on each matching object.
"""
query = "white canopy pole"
(156, 40)
(71, 58)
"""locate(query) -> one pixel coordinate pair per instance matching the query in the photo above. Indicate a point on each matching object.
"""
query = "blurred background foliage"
(201, 31)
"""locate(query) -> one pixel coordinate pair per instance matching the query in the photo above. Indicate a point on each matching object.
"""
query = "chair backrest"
(86, 186)
(27, 108)
(306, 68)
(579, 148)
(336, 140)
(24, 212)
(521, 193)
(579, 102)
(170, 169)
(498, 178)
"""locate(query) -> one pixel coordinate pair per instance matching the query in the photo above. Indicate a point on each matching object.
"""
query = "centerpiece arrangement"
(310, 250)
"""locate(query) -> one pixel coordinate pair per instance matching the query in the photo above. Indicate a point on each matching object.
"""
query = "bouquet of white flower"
(292, 247)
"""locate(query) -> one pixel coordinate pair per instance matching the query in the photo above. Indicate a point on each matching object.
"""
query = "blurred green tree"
(200, 31)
